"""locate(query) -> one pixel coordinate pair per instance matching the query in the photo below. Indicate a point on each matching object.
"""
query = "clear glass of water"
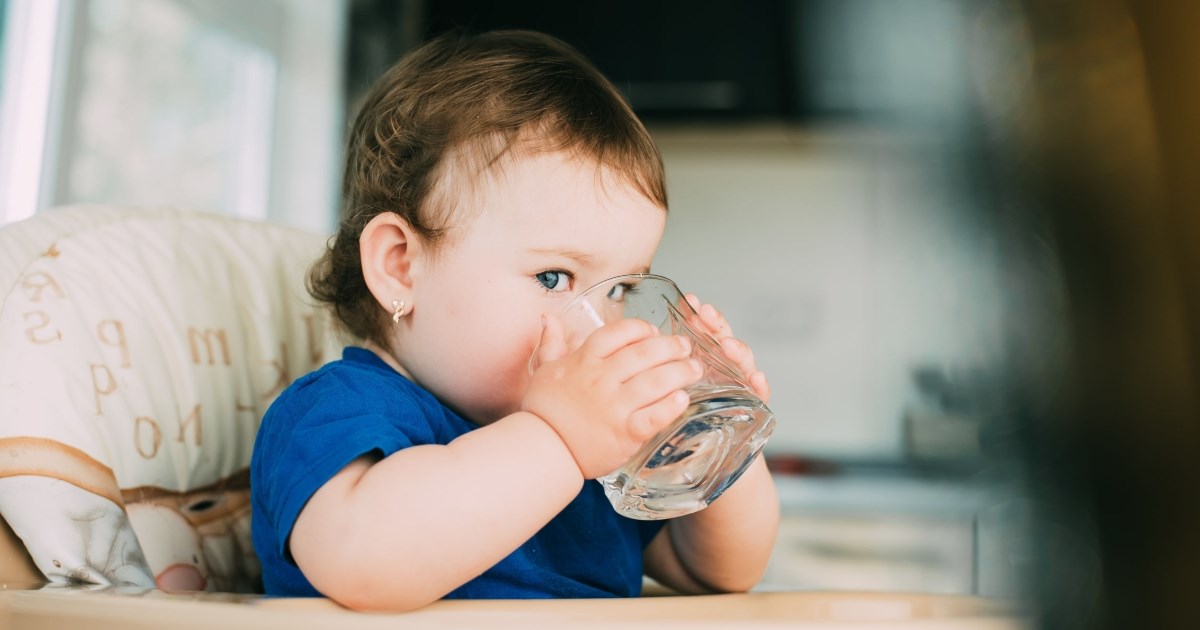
(698, 456)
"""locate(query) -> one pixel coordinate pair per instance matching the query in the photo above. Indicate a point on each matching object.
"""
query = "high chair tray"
(101, 609)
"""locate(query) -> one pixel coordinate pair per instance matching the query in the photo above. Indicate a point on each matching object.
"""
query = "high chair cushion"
(138, 350)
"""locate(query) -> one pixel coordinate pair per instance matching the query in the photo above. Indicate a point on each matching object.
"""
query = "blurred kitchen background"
(865, 187)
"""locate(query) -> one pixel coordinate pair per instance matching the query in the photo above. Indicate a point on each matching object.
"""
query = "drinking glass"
(687, 465)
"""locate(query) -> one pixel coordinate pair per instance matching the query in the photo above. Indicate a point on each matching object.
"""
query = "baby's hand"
(712, 322)
(617, 390)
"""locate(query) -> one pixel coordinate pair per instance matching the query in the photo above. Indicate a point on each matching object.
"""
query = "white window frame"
(31, 102)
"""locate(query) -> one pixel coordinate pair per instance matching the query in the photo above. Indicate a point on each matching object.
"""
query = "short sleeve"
(318, 427)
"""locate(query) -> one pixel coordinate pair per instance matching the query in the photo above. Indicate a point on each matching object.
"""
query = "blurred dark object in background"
(671, 58)
(717, 61)
(378, 33)
(1098, 164)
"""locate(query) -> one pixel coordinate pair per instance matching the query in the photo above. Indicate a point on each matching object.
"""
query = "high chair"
(140, 347)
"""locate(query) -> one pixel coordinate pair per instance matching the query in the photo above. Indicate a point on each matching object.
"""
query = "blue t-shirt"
(361, 405)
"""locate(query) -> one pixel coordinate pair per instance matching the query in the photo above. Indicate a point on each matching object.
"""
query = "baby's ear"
(388, 247)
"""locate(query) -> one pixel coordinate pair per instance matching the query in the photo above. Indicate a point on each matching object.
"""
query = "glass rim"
(575, 301)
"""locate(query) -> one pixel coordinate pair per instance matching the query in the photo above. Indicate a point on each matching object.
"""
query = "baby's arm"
(723, 548)
(401, 532)
(726, 546)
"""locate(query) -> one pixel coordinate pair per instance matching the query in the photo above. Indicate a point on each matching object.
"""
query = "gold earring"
(398, 305)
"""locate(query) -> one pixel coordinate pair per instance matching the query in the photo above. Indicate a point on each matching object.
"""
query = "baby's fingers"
(715, 321)
(614, 336)
(649, 420)
(552, 345)
(740, 354)
(743, 356)
(640, 356)
(736, 350)
(711, 319)
(659, 381)
(758, 382)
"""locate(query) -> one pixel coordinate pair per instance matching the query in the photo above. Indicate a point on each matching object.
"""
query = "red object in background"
(799, 465)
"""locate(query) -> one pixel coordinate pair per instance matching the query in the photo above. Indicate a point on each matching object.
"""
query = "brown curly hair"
(468, 99)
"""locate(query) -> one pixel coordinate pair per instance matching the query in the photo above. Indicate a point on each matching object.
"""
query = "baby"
(489, 179)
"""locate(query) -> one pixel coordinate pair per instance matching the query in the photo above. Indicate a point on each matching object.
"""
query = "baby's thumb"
(553, 344)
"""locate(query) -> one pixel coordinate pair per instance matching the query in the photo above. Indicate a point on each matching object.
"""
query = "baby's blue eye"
(554, 280)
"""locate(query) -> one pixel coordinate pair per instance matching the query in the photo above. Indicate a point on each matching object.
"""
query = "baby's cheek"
(489, 374)
(505, 378)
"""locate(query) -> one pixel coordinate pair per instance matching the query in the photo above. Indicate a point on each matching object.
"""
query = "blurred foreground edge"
(1099, 166)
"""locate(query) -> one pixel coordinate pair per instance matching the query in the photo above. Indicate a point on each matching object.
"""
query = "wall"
(845, 258)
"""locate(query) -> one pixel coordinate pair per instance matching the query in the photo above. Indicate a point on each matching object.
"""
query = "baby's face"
(543, 228)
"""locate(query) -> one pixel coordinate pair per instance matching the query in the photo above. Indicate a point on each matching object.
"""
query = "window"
(166, 106)
(215, 105)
